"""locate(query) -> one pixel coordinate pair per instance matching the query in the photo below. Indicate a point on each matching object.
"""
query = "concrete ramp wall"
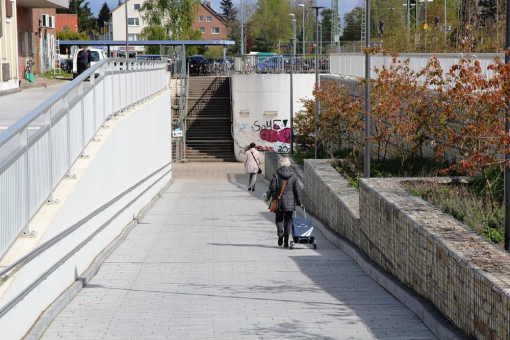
(135, 152)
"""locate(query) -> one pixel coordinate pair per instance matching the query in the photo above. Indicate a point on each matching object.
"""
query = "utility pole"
(317, 81)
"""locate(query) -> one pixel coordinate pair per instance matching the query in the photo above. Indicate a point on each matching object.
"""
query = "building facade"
(212, 25)
(135, 24)
(37, 35)
(8, 48)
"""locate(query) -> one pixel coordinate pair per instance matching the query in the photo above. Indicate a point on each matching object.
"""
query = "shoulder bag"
(260, 170)
(274, 206)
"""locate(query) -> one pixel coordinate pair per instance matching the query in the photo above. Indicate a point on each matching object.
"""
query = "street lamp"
(317, 108)
(294, 31)
(242, 28)
(368, 145)
(303, 5)
(320, 25)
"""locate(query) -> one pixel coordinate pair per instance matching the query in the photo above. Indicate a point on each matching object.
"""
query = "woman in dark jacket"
(290, 198)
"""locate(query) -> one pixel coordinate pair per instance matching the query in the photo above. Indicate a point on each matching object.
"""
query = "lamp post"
(127, 39)
(292, 54)
(294, 31)
(507, 131)
(320, 25)
(368, 146)
(317, 107)
(303, 37)
(242, 28)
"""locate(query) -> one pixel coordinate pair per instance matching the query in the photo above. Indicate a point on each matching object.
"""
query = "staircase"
(208, 134)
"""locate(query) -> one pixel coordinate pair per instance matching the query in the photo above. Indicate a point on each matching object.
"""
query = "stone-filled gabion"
(466, 277)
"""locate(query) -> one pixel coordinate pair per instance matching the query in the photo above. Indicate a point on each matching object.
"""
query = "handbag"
(260, 170)
(274, 206)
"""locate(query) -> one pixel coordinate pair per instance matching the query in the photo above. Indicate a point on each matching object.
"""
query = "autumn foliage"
(455, 116)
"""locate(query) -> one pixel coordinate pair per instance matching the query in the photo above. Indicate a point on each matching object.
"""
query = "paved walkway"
(204, 264)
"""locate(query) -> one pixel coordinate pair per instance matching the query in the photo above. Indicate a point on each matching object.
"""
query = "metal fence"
(72, 116)
(279, 64)
(353, 64)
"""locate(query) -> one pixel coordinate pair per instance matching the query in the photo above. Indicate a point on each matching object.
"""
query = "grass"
(51, 74)
(463, 202)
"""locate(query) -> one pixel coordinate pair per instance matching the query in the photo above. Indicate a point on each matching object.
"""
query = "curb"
(44, 321)
(427, 313)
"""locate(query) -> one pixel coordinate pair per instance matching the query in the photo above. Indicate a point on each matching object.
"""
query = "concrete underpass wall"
(463, 275)
(138, 146)
(261, 109)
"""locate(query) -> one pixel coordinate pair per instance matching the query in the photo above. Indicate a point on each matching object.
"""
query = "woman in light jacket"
(290, 198)
(252, 165)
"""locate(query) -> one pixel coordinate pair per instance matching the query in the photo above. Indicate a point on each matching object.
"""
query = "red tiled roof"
(66, 20)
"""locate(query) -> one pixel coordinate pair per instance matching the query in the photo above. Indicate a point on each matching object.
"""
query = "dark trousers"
(284, 222)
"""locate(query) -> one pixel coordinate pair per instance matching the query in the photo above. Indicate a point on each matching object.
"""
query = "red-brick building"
(212, 24)
(36, 38)
(66, 22)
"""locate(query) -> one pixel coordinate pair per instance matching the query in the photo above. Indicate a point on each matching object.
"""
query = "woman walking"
(284, 183)
(252, 165)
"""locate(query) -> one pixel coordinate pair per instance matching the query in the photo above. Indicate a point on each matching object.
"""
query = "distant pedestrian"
(252, 165)
(83, 61)
(284, 178)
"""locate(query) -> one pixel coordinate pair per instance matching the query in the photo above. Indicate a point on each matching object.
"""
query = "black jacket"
(291, 195)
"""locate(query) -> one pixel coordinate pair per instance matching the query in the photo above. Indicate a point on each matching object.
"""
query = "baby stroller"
(303, 231)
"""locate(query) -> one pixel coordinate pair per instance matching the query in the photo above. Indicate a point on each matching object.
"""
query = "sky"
(344, 5)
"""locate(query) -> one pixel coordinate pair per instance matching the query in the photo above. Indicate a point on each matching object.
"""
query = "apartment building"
(212, 25)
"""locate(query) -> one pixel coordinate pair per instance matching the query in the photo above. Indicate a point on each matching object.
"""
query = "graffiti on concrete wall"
(270, 135)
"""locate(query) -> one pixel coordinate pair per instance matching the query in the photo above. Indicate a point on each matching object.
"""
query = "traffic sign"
(448, 28)
(425, 26)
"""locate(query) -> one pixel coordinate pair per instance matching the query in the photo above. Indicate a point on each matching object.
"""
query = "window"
(208, 19)
(215, 30)
(132, 37)
(65, 28)
(136, 7)
(201, 18)
(202, 29)
(133, 21)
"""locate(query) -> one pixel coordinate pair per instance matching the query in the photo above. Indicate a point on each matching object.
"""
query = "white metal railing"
(72, 116)
(279, 64)
(353, 64)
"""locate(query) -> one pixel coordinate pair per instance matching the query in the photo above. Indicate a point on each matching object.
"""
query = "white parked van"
(85, 58)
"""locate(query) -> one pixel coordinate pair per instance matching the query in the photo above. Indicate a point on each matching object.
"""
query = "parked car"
(66, 65)
(85, 58)
(196, 64)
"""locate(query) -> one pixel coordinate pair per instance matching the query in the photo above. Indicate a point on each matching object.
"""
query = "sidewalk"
(204, 264)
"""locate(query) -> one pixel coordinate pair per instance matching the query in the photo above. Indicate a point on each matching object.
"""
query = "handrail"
(18, 264)
(72, 116)
(26, 120)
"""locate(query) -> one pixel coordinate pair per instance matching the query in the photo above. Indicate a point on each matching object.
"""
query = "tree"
(103, 16)
(270, 24)
(326, 24)
(175, 16)
(86, 20)
(154, 32)
(229, 11)
(352, 29)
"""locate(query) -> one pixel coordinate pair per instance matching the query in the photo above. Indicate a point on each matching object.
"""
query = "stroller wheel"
(291, 245)
(314, 244)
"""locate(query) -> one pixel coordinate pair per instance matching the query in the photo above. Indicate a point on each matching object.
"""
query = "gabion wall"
(466, 277)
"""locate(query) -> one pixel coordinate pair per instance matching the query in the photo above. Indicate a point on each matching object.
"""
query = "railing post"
(103, 71)
(23, 142)
(68, 132)
(120, 90)
(47, 122)
(82, 106)
(94, 102)
(113, 89)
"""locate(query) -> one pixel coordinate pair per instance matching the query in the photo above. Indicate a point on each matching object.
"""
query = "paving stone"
(204, 264)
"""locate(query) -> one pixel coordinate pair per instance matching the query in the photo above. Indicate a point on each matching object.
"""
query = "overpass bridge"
(103, 235)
